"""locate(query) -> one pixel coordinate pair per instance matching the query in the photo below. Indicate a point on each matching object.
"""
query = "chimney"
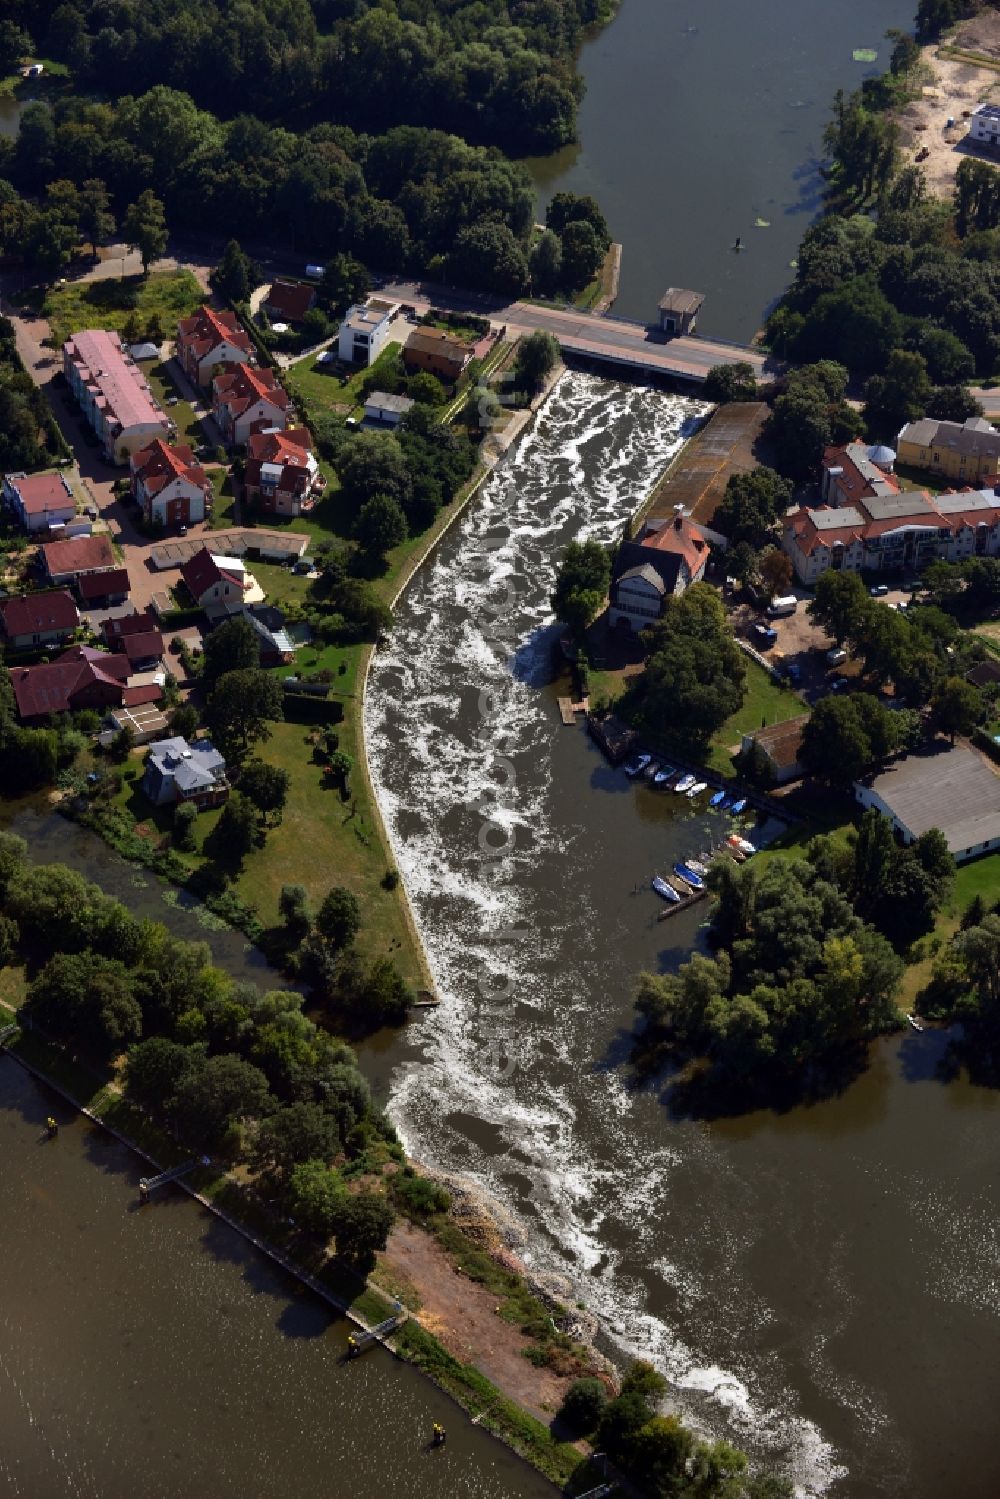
(679, 523)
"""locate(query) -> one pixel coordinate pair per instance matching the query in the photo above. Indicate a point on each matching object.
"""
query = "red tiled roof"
(141, 647)
(851, 481)
(291, 300)
(52, 687)
(204, 569)
(157, 464)
(243, 386)
(78, 555)
(679, 535)
(99, 585)
(37, 613)
(149, 692)
(115, 630)
(207, 328)
(290, 449)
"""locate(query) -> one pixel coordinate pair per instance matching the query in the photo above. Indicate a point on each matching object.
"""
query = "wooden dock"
(688, 900)
(568, 710)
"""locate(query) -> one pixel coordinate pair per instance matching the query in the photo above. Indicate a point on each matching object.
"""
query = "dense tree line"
(496, 73)
(694, 677)
(245, 1075)
(29, 437)
(798, 976)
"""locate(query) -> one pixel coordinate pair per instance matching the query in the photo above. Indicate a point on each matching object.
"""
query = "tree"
(293, 906)
(184, 720)
(840, 604)
(219, 1094)
(899, 395)
(426, 389)
(385, 997)
(846, 735)
(236, 833)
(236, 275)
(380, 526)
(750, 505)
(730, 382)
(488, 255)
(345, 281)
(15, 45)
(694, 678)
(582, 254)
(185, 817)
(145, 228)
(775, 571)
(86, 999)
(581, 584)
(238, 711)
(537, 356)
(361, 1227)
(97, 222)
(294, 1134)
(233, 645)
(339, 917)
(956, 707)
(315, 1196)
(979, 949)
(155, 1070)
(582, 1405)
(373, 463)
(545, 264)
(266, 786)
(571, 208)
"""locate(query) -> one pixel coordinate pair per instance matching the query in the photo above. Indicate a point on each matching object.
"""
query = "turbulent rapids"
(497, 847)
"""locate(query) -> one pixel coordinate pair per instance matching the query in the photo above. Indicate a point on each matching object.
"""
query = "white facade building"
(365, 331)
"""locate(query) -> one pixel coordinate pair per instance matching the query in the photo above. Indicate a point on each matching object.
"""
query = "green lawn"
(223, 511)
(331, 392)
(978, 877)
(766, 703)
(168, 295)
(318, 657)
(918, 478)
(279, 583)
(189, 428)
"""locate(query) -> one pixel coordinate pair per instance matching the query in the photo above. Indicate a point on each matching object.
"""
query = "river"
(155, 1352)
(820, 1285)
(700, 119)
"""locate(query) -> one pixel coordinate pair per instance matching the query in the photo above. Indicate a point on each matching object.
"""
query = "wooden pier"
(149, 1184)
(568, 710)
(358, 1343)
(681, 905)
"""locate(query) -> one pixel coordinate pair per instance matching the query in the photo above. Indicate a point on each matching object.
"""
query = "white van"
(837, 656)
(315, 272)
(787, 604)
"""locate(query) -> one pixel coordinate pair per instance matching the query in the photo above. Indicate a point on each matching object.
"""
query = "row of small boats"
(690, 874)
(668, 777)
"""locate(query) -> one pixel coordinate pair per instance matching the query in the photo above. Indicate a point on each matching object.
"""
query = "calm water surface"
(698, 120)
(153, 1352)
(820, 1285)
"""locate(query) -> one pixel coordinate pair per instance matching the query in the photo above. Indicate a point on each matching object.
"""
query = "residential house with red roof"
(38, 618)
(113, 393)
(80, 678)
(281, 476)
(247, 400)
(667, 556)
(103, 590)
(170, 485)
(64, 561)
(220, 585)
(209, 341)
(289, 301)
(39, 501)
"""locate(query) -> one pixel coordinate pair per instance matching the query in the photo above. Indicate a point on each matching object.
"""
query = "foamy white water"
(508, 1089)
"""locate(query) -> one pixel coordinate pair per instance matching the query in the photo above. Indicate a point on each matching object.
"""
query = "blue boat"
(689, 877)
(717, 799)
(662, 888)
(737, 807)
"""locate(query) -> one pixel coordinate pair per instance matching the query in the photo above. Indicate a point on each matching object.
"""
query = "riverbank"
(366, 1304)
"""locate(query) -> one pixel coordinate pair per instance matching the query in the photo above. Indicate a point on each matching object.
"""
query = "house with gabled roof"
(113, 393)
(220, 585)
(64, 561)
(209, 341)
(666, 557)
(282, 475)
(80, 678)
(247, 400)
(38, 618)
(289, 301)
(169, 485)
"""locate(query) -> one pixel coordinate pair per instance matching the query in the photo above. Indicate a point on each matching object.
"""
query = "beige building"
(965, 451)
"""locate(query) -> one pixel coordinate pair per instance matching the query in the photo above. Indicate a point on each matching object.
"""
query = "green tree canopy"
(239, 709)
(694, 677)
(581, 584)
(751, 504)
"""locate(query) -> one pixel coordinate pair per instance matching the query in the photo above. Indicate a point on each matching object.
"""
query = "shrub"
(582, 1405)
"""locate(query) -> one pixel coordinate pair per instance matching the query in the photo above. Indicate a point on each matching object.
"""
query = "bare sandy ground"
(954, 87)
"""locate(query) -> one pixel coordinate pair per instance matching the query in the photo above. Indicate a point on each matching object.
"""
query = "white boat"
(685, 783)
(662, 888)
(743, 844)
(698, 788)
(697, 866)
(663, 776)
(916, 1024)
(638, 765)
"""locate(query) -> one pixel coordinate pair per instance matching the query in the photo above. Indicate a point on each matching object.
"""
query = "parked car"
(836, 656)
(879, 590)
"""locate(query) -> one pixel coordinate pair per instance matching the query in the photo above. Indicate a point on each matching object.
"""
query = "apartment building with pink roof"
(113, 393)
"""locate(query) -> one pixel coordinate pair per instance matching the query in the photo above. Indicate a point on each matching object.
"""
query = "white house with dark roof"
(952, 789)
(984, 125)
